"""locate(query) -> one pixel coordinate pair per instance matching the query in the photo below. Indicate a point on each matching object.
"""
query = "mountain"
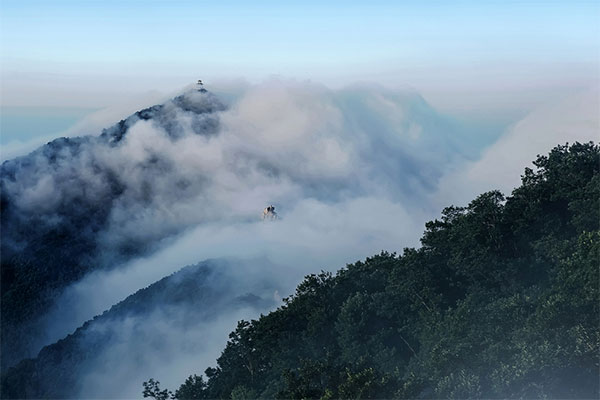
(92, 203)
(58, 206)
(501, 301)
(351, 168)
(120, 339)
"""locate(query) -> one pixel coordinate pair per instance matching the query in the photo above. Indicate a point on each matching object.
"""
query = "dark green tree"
(502, 300)
(194, 387)
(152, 389)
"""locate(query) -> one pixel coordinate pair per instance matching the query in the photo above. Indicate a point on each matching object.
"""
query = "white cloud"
(351, 172)
(570, 119)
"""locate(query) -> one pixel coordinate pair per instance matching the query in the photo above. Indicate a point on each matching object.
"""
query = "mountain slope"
(79, 205)
(501, 301)
(57, 207)
(188, 301)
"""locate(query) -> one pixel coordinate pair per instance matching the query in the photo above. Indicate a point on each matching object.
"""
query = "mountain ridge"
(194, 295)
(50, 241)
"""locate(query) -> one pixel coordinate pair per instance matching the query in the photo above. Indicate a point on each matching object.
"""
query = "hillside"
(79, 207)
(192, 297)
(58, 205)
(501, 301)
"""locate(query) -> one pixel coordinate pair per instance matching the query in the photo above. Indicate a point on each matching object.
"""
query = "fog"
(199, 162)
(176, 338)
(562, 119)
(351, 172)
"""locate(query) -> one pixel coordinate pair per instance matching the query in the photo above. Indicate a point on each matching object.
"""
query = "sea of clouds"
(351, 172)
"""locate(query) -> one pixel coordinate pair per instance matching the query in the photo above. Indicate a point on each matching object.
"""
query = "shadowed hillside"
(59, 202)
(136, 329)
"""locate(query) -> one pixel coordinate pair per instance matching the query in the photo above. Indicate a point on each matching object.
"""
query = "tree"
(152, 389)
(194, 387)
(501, 301)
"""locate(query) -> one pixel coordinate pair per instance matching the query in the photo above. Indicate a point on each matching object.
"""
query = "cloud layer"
(565, 119)
(351, 172)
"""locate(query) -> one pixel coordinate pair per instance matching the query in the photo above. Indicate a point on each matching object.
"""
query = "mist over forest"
(132, 252)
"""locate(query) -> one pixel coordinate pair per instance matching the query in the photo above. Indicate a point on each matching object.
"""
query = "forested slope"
(500, 301)
(129, 334)
(56, 205)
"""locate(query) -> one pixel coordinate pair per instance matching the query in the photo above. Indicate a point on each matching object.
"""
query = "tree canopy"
(500, 301)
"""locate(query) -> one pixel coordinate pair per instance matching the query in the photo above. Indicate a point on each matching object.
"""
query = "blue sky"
(51, 50)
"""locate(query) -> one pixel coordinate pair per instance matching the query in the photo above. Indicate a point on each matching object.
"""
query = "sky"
(460, 54)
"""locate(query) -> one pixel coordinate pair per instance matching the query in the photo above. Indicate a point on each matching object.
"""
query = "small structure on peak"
(200, 86)
(269, 213)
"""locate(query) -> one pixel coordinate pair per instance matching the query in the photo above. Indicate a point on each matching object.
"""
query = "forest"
(500, 301)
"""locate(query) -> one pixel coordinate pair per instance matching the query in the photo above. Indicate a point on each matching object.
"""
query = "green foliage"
(501, 301)
(242, 393)
(152, 389)
(194, 387)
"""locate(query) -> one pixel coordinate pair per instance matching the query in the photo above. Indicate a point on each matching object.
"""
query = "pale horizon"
(462, 56)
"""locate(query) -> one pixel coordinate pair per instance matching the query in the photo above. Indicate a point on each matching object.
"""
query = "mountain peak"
(200, 104)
